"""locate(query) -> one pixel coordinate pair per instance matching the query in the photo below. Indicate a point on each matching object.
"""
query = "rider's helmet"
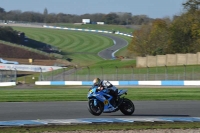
(96, 81)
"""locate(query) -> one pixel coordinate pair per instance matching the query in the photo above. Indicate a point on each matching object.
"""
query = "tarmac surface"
(78, 109)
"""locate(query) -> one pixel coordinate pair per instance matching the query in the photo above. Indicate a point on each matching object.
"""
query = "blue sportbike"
(101, 102)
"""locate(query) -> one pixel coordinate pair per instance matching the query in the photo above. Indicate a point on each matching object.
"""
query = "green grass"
(102, 127)
(114, 63)
(82, 47)
(79, 93)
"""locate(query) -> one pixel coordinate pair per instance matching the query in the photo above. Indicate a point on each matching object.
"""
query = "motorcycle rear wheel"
(95, 110)
(127, 107)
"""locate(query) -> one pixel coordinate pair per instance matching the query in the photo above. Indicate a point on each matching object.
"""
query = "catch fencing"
(112, 74)
(8, 76)
(124, 74)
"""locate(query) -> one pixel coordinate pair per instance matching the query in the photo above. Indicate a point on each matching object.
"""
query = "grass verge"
(81, 47)
(79, 93)
(101, 127)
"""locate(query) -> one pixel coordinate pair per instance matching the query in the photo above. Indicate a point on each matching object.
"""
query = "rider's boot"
(118, 100)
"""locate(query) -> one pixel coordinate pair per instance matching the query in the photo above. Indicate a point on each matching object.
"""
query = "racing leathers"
(107, 87)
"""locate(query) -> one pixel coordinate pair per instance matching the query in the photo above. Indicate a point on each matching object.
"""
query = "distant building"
(93, 22)
(86, 21)
(102, 23)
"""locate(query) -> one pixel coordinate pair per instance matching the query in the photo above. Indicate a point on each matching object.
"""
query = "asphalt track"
(109, 52)
(74, 110)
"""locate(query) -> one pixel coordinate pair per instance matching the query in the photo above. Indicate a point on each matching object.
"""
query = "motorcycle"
(101, 102)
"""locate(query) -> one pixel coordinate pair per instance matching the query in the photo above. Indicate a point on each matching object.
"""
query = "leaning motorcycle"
(101, 102)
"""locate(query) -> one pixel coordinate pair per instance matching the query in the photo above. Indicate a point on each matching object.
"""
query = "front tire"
(95, 110)
(127, 107)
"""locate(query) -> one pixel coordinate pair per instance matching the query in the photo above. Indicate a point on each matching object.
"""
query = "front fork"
(95, 102)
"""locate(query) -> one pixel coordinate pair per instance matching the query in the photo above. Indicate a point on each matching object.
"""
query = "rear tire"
(95, 110)
(127, 107)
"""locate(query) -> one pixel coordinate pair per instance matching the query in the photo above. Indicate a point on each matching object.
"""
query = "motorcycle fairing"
(101, 97)
(121, 92)
(107, 106)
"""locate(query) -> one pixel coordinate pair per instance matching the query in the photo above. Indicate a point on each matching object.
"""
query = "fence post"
(75, 75)
(52, 75)
(166, 72)
(132, 72)
(24, 79)
(6, 76)
(63, 74)
(116, 72)
(147, 73)
(175, 73)
(155, 75)
(88, 73)
(184, 71)
(139, 75)
(1, 76)
(41, 76)
(15, 74)
(102, 72)
(193, 73)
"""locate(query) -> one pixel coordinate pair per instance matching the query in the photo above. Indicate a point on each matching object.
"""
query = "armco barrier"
(7, 83)
(100, 31)
(125, 83)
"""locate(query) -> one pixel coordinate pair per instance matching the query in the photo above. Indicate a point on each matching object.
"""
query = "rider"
(108, 87)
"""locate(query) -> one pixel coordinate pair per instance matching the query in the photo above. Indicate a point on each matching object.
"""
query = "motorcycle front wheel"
(95, 109)
(127, 107)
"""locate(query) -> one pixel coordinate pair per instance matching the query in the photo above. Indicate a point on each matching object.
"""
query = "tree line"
(119, 18)
(182, 35)
(155, 37)
(9, 35)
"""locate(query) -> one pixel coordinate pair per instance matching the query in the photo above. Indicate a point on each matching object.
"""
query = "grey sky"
(151, 8)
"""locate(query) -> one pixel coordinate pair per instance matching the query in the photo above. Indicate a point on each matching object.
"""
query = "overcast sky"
(151, 8)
